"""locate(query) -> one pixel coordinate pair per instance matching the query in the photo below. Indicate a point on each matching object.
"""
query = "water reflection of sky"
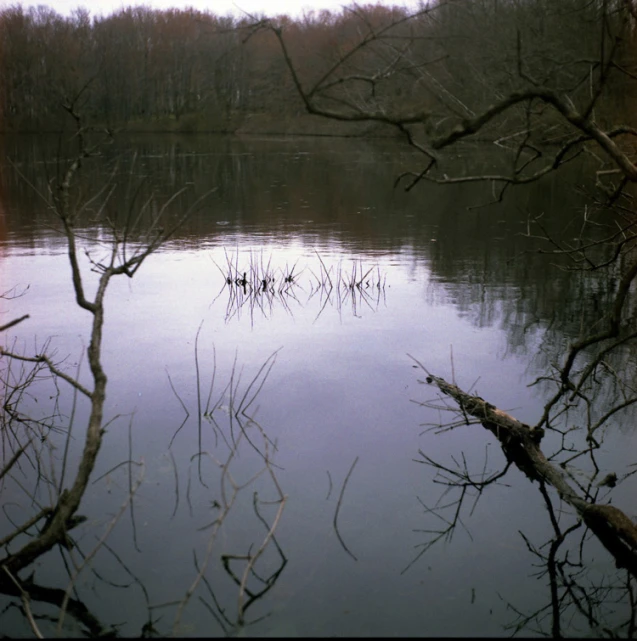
(342, 387)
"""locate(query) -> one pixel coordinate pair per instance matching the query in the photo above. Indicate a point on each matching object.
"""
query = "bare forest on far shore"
(190, 71)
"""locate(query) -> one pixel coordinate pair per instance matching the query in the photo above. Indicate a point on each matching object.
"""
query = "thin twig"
(338, 507)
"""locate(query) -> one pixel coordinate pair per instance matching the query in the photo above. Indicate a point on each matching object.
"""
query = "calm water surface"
(450, 286)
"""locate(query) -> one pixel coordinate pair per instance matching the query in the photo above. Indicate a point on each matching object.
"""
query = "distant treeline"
(186, 70)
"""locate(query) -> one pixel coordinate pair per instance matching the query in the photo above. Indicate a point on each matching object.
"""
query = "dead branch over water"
(521, 445)
(536, 120)
(527, 95)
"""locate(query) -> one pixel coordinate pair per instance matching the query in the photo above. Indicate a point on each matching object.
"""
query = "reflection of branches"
(581, 250)
(25, 601)
(453, 479)
(556, 606)
(55, 596)
(94, 551)
(251, 559)
(10, 295)
(13, 322)
(618, 333)
(353, 287)
(575, 593)
(241, 427)
(52, 367)
(118, 261)
(149, 625)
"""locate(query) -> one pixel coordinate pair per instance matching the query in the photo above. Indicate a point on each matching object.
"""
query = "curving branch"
(317, 99)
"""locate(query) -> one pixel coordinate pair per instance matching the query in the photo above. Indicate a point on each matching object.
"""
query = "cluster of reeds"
(259, 276)
(354, 286)
(258, 285)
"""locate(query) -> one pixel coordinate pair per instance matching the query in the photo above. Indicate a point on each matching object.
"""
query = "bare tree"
(524, 80)
(53, 492)
(533, 102)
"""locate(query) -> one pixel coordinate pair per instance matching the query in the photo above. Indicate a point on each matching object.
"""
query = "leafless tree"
(524, 83)
(47, 488)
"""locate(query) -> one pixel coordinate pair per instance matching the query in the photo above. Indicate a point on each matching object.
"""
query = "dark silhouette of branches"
(527, 100)
(562, 561)
(29, 440)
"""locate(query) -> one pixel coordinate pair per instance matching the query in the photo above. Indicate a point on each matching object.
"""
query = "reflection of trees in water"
(592, 385)
(336, 189)
(575, 332)
(237, 436)
(241, 476)
(559, 286)
(315, 197)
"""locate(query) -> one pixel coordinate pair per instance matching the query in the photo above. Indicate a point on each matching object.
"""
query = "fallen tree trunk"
(521, 446)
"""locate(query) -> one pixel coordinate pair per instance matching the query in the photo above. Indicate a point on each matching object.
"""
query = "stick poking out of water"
(338, 507)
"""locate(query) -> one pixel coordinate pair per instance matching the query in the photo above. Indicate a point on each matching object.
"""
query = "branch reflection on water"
(41, 497)
(242, 477)
(237, 434)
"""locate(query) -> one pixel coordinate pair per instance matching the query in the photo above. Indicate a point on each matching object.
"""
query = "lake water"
(456, 288)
